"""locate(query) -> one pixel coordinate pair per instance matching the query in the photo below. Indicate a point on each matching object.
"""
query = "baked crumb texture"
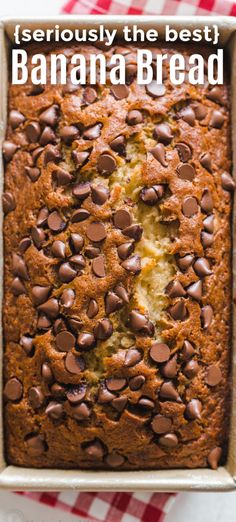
(117, 274)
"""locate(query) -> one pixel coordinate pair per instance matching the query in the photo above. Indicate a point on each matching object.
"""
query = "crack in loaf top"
(117, 273)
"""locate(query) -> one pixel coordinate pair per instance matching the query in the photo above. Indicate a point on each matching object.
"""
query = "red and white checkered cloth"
(126, 507)
(150, 7)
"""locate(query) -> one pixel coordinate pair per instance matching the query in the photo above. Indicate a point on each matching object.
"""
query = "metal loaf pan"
(224, 479)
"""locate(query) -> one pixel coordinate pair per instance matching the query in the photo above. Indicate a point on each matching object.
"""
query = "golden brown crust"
(129, 438)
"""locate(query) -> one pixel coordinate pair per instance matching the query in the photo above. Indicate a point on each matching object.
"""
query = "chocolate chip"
(104, 396)
(19, 267)
(207, 239)
(17, 287)
(193, 409)
(168, 391)
(213, 375)
(130, 72)
(51, 154)
(118, 145)
(40, 294)
(76, 394)
(47, 136)
(162, 133)
(207, 202)
(135, 383)
(33, 173)
(43, 323)
(114, 460)
(159, 154)
(146, 403)
(92, 133)
(33, 131)
(36, 445)
(50, 116)
(74, 364)
(50, 307)
(54, 410)
(96, 232)
(59, 249)
(132, 357)
(152, 195)
(91, 251)
(120, 91)
(42, 217)
(62, 177)
(67, 297)
(188, 350)
(119, 403)
(161, 424)
(59, 326)
(169, 440)
(187, 114)
(77, 242)
(217, 119)
(24, 245)
(98, 266)
(58, 391)
(155, 90)
(103, 330)
(99, 194)
(74, 323)
(86, 341)
(8, 202)
(122, 219)
(227, 182)
(200, 111)
(94, 449)
(36, 90)
(190, 207)
(115, 384)
(112, 303)
(36, 153)
(195, 290)
(205, 160)
(81, 411)
(79, 215)
(208, 223)
(178, 311)
(214, 457)
(69, 133)
(36, 397)
(134, 117)
(89, 95)
(215, 94)
(106, 164)
(78, 260)
(184, 151)
(140, 323)
(55, 222)
(82, 190)
(27, 344)
(79, 157)
(202, 267)
(191, 369)
(121, 292)
(125, 250)
(169, 369)
(16, 118)
(65, 341)
(186, 172)
(13, 389)
(66, 273)
(159, 352)
(92, 309)
(46, 372)
(8, 150)
(133, 231)
(132, 264)
(175, 289)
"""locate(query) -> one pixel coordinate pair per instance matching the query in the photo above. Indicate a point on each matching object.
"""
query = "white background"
(189, 507)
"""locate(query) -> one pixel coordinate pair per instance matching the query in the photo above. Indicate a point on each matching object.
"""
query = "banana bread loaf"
(117, 273)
